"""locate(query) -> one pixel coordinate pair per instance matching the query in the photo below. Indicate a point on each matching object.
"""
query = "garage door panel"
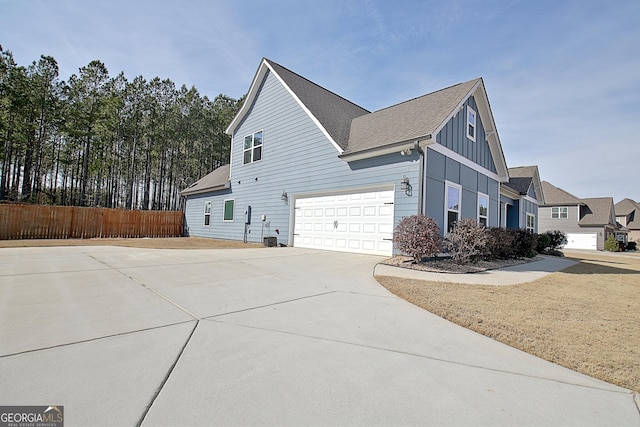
(582, 241)
(358, 222)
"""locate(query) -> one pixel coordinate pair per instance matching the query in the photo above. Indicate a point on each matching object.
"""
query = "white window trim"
(224, 205)
(486, 217)
(526, 224)
(244, 150)
(566, 208)
(448, 184)
(475, 123)
(204, 219)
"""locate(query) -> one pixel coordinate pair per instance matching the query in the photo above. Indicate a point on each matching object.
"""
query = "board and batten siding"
(298, 159)
(440, 169)
(454, 137)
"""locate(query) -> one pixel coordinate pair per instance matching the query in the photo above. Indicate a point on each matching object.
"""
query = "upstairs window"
(560, 212)
(471, 124)
(483, 209)
(452, 205)
(252, 151)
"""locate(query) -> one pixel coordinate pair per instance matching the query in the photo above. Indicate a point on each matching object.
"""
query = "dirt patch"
(584, 318)
(146, 243)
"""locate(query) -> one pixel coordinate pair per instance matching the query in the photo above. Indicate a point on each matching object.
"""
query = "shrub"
(499, 243)
(611, 245)
(543, 243)
(558, 239)
(467, 241)
(524, 243)
(631, 246)
(417, 236)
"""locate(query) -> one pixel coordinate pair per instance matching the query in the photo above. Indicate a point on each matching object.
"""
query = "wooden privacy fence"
(72, 222)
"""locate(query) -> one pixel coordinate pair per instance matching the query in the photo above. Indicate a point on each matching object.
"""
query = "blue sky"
(563, 76)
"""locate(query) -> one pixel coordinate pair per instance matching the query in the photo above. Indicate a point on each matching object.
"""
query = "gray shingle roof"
(522, 171)
(408, 120)
(216, 180)
(597, 211)
(557, 196)
(332, 111)
(629, 207)
(520, 184)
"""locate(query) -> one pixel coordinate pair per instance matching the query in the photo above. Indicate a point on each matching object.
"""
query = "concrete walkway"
(521, 273)
(277, 336)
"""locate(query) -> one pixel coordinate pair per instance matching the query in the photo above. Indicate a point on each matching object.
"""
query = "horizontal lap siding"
(568, 225)
(297, 158)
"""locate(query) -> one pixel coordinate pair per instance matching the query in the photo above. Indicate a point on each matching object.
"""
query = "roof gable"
(520, 184)
(553, 195)
(330, 112)
(529, 172)
(597, 211)
(419, 120)
(630, 209)
(625, 207)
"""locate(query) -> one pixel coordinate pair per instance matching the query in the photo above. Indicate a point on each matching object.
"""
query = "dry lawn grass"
(147, 243)
(586, 318)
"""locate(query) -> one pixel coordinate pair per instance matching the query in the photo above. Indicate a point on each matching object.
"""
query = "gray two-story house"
(314, 170)
(588, 223)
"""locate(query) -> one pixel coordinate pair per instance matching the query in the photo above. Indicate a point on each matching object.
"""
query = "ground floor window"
(483, 209)
(228, 210)
(207, 213)
(453, 194)
(531, 223)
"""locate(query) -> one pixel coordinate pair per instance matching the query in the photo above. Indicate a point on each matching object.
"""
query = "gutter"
(219, 187)
(395, 147)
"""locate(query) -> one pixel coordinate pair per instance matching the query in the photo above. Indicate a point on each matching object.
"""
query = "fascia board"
(224, 186)
(388, 149)
(484, 109)
(305, 109)
(251, 96)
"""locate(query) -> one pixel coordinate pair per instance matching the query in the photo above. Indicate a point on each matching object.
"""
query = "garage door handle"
(335, 224)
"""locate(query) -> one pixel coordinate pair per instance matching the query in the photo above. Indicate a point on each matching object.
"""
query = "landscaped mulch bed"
(446, 265)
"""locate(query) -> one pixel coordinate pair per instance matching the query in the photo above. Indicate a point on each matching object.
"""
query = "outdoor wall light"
(405, 185)
(285, 197)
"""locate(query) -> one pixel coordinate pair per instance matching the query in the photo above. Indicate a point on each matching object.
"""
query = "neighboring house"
(628, 215)
(520, 197)
(587, 222)
(315, 170)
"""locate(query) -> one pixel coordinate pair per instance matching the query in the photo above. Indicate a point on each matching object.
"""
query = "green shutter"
(228, 210)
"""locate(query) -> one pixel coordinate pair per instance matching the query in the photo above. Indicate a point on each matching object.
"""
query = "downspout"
(421, 149)
(423, 160)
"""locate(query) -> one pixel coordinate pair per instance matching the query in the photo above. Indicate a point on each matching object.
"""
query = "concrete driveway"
(274, 336)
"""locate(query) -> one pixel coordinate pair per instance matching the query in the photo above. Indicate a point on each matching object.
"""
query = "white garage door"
(582, 241)
(359, 222)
